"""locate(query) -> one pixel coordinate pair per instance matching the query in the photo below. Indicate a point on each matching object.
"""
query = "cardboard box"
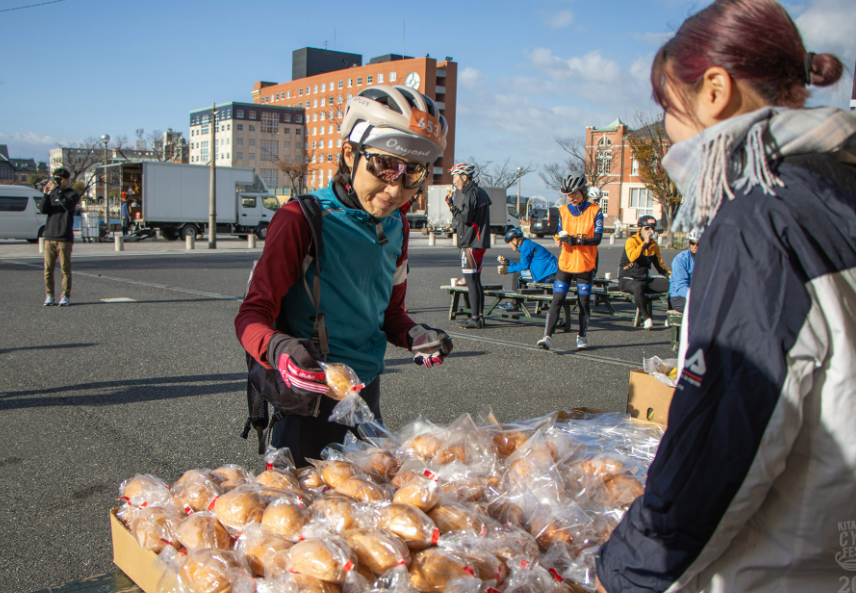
(648, 399)
(140, 565)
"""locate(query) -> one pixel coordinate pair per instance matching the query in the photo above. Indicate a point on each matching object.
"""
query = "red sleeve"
(396, 323)
(286, 246)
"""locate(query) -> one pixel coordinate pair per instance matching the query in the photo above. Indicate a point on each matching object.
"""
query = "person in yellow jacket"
(640, 253)
(580, 232)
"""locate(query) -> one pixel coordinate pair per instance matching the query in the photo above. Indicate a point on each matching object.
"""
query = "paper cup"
(608, 275)
(454, 281)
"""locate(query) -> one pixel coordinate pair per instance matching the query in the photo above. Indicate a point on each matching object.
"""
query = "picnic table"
(604, 292)
(520, 298)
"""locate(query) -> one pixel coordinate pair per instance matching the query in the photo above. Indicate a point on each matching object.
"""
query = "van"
(19, 213)
(544, 221)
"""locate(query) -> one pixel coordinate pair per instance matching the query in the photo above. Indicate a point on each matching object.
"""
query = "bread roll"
(488, 567)
(433, 569)
(602, 466)
(339, 380)
(420, 492)
(335, 472)
(623, 490)
(199, 474)
(308, 584)
(320, 559)
(337, 512)
(455, 517)
(410, 524)
(508, 442)
(285, 519)
(232, 472)
(310, 478)
(506, 513)
(507, 543)
(547, 531)
(277, 479)
(361, 490)
(266, 554)
(404, 476)
(230, 485)
(383, 465)
(238, 508)
(425, 446)
(145, 490)
(154, 528)
(195, 495)
(377, 550)
(450, 454)
(202, 530)
(209, 571)
(466, 489)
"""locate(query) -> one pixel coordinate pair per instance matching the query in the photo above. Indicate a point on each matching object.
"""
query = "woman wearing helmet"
(640, 253)
(682, 273)
(391, 136)
(536, 263)
(580, 232)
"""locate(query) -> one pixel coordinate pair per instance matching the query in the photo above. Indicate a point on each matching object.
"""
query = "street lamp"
(519, 175)
(105, 138)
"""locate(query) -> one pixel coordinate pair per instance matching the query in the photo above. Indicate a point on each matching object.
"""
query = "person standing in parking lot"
(59, 203)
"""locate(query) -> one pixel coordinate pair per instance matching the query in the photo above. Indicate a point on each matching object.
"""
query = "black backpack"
(265, 386)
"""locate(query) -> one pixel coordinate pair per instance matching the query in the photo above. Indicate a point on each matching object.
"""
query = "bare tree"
(581, 160)
(80, 159)
(295, 167)
(504, 174)
(155, 140)
(649, 144)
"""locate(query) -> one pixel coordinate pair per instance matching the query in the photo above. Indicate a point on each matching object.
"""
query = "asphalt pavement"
(154, 381)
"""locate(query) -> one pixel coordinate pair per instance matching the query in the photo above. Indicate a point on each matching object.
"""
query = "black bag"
(265, 386)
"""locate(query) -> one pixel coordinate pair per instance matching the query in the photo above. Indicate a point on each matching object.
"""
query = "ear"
(348, 151)
(717, 94)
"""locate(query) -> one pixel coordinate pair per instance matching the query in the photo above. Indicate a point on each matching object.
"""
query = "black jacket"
(471, 211)
(60, 205)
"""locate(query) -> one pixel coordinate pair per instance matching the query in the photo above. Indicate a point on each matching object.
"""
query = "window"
(286, 145)
(252, 156)
(270, 150)
(349, 96)
(350, 83)
(323, 87)
(252, 128)
(307, 90)
(298, 119)
(339, 143)
(252, 141)
(239, 156)
(330, 101)
(329, 158)
(239, 141)
(298, 132)
(269, 176)
(368, 79)
(359, 81)
(286, 117)
(228, 127)
(269, 123)
(605, 142)
(252, 115)
(314, 102)
(288, 94)
(604, 202)
(247, 201)
(239, 127)
(322, 116)
(315, 89)
(329, 129)
(340, 83)
(634, 169)
(13, 203)
(604, 162)
(642, 200)
(392, 77)
(314, 131)
(379, 78)
(314, 145)
(340, 99)
(240, 113)
(300, 92)
(204, 154)
(323, 101)
(286, 131)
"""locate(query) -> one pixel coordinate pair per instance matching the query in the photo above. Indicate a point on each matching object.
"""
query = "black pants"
(678, 304)
(476, 293)
(306, 436)
(584, 301)
(640, 288)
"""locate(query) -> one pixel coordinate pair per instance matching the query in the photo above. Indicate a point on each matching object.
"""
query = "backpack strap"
(314, 213)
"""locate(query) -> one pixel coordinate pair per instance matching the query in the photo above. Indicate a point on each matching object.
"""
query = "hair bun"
(826, 69)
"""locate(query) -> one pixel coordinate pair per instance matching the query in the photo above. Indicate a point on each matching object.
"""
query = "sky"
(529, 71)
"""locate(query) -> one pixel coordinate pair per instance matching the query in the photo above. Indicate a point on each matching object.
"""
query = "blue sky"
(529, 72)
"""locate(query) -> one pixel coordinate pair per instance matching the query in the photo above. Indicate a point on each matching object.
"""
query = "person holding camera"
(640, 253)
(59, 203)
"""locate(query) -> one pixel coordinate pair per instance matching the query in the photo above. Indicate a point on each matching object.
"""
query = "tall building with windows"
(322, 94)
(612, 164)
(264, 138)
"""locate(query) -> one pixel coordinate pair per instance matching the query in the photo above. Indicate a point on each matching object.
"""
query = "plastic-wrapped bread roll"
(285, 519)
(623, 490)
(361, 490)
(335, 472)
(602, 466)
(377, 550)
(231, 472)
(154, 527)
(450, 454)
(336, 512)
(199, 474)
(455, 517)
(424, 446)
(145, 490)
(320, 559)
(277, 479)
(509, 542)
(265, 554)
(341, 380)
(238, 508)
(310, 478)
(420, 492)
(209, 571)
(506, 513)
(404, 476)
(383, 464)
(308, 584)
(410, 524)
(508, 442)
(433, 570)
(195, 495)
(203, 530)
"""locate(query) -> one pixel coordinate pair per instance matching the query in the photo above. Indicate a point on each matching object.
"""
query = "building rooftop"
(611, 127)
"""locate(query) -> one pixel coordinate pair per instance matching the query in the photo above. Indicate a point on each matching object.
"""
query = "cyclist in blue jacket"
(682, 273)
(536, 263)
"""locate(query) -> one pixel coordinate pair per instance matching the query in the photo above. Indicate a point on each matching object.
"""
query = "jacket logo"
(695, 364)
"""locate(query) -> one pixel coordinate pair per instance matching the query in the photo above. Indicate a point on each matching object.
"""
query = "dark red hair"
(754, 41)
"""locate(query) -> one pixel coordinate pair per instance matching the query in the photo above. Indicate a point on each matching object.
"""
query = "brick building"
(323, 82)
(616, 172)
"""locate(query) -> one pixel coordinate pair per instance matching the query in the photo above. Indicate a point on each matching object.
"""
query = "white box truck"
(175, 199)
(503, 215)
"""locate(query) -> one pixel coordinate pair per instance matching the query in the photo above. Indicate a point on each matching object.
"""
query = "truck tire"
(539, 235)
(189, 230)
(169, 233)
(261, 232)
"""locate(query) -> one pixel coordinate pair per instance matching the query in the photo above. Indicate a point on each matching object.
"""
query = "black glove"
(429, 346)
(570, 240)
(297, 362)
(449, 202)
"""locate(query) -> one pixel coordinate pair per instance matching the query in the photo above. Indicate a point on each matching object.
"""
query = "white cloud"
(471, 78)
(25, 145)
(829, 26)
(558, 20)
(590, 67)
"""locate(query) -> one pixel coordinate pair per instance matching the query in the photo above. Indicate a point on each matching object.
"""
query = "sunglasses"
(693, 243)
(650, 228)
(389, 168)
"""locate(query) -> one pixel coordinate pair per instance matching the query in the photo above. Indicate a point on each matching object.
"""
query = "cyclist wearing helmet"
(536, 263)
(580, 232)
(391, 136)
(470, 208)
(640, 253)
(682, 273)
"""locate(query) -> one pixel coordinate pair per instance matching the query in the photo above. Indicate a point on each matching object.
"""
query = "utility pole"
(212, 192)
(519, 175)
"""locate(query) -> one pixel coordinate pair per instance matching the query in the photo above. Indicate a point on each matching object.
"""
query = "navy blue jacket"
(541, 263)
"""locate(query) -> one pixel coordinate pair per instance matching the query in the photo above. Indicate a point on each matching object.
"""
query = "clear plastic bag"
(345, 386)
(665, 371)
(144, 490)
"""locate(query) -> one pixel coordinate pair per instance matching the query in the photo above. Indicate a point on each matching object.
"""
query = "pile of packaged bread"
(472, 507)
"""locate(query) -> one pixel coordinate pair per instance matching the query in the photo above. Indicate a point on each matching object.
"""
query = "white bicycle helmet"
(396, 119)
(463, 169)
(573, 183)
(695, 235)
(594, 193)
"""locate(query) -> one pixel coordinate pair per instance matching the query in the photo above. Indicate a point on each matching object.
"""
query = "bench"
(520, 299)
(603, 292)
(674, 319)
